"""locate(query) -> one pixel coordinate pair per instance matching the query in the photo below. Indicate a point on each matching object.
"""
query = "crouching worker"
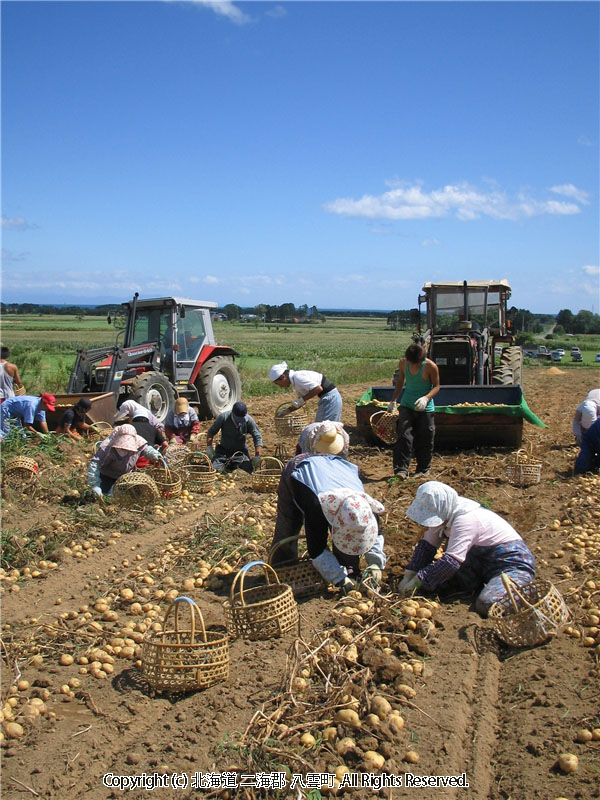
(232, 452)
(182, 422)
(117, 456)
(588, 459)
(479, 547)
(72, 423)
(323, 492)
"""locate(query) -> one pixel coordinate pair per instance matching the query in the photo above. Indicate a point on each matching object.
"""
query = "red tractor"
(168, 350)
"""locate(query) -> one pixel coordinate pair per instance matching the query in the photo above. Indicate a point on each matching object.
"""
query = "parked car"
(575, 350)
(576, 356)
(529, 353)
(560, 350)
(597, 357)
(555, 355)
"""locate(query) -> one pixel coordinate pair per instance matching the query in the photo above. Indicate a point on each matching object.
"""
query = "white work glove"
(210, 451)
(298, 403)
(408, 576)
(392, 406)
(97, 490)
(256, 461)
(372, 575)
(421, 403)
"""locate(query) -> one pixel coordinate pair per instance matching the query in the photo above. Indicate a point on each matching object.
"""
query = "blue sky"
(338, 154)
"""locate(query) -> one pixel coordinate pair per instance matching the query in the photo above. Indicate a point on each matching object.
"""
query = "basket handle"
(262, 466)
(509, 585)
(267, 568)
(376, 414)
(194, 610)
(277, 545)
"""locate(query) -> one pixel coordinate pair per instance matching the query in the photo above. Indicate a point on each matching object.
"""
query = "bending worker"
(72, 423)
(232, 452)
(116, 456)
(25, 411)
(182, 422)
(586, 414)
(479, 547)
(323, 492)
(308, 384)
(589, 455)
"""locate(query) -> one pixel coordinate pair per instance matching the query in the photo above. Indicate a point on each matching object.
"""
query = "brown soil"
(500, 715)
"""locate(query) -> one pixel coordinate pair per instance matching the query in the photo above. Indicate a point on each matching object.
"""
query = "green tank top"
(415, 386)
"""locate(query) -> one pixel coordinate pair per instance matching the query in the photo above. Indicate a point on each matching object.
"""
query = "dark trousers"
(316, 526)
(416, 430)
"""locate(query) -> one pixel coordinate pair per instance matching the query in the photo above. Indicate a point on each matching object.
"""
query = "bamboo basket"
(99, 431)
(20, 391)
(300, 574)
(167, 480)
(198, 442)
(136, 490)
(185, 659)
(198, 473)
(263, 612)
(267, 475)
(529, 614)
(21, 473)
(523, 469)
(176, 454)
(384, 425)
(292, 424)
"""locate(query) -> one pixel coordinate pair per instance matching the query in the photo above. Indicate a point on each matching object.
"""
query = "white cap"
(277, 370)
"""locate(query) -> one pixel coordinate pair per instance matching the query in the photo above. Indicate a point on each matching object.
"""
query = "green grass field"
(346, 349)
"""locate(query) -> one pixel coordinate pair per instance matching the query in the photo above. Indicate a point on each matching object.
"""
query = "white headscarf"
(437, 504)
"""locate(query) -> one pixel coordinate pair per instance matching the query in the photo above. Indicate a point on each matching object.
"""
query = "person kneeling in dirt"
(232, 453)
(72, 422)
(323, 491)
(589, 455)
(117, 456)
(152, 435)
(182, 422)
(586, 413)
(480, 546)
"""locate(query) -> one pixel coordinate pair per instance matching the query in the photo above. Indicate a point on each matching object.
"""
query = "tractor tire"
(219, 386)
(509, 371)
(154, 391)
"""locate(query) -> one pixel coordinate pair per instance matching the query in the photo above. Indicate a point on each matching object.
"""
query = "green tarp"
(522, 410)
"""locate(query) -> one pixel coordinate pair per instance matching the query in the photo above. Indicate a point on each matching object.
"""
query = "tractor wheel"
(512, 357)
(219, 386)
(154, 391)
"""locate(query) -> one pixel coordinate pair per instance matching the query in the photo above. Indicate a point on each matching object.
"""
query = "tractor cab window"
(150, 326)
(190, 334)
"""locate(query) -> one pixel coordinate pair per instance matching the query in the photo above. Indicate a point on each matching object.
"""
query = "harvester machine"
(468, 335)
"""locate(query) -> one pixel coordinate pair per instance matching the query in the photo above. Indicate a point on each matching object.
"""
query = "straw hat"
(351, 514)
(330, 442)
(181, 405)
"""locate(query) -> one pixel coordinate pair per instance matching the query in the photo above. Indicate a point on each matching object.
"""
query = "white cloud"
(568, 190)
(430, 241)
(225, 8)
(211, 279)
(276, 12)
(8, 257)
(465, 202)
(17, 224)
(591, 270)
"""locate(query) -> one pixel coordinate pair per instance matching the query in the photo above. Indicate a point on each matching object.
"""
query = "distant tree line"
(583, 322)
(287, 312)
(79, 311)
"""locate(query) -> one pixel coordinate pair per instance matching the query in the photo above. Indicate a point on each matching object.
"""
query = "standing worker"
(9, 376)
(26, 410)
(232, 452)
(308, 384)
(416, 428)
